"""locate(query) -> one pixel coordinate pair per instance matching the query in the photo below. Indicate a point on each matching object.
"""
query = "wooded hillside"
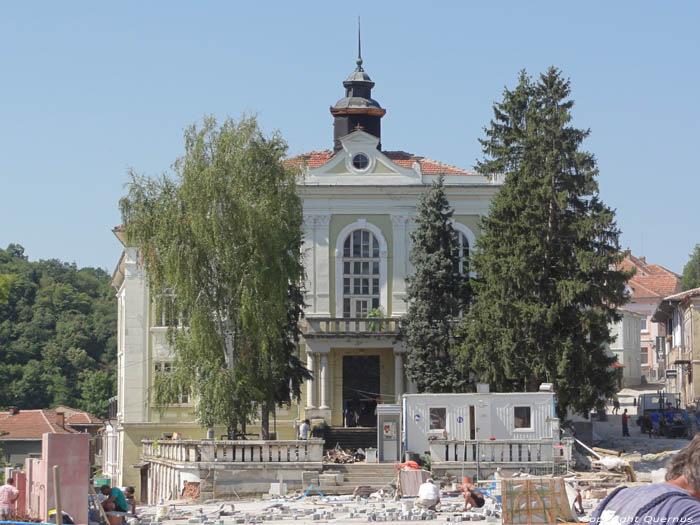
(58, 334)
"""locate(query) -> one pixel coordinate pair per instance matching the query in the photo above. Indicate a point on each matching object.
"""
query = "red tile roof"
(315, 159)
(695, 292)
(78, 417)
(312, 159)
(651, 280)
(32, 424)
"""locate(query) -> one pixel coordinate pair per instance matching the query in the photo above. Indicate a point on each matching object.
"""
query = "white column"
(399, 264)
(321, 269)
(398, 376)
(307, 256)
(410, 226)
(311, 383)
(325, 382)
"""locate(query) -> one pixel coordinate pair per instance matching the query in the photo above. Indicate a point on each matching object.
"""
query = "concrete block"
(278, 489)
(308, 478)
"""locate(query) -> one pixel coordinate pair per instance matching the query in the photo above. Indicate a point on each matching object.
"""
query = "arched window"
(462, 251)
(361, 274)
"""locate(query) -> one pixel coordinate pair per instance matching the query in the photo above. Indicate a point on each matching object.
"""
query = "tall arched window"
(462, 251)
(361, 273)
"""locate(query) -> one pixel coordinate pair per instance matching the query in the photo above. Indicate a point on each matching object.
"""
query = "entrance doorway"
(360, 390)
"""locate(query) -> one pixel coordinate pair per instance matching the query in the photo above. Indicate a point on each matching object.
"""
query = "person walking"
(8, 496)
(625, 428)
(304, 429)
(616, 404)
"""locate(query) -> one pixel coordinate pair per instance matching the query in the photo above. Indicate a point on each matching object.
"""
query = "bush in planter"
(319, 431)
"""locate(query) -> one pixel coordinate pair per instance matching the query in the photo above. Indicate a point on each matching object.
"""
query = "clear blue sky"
(92, 88)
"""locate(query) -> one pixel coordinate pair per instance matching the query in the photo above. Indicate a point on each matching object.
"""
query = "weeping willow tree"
(220, 241)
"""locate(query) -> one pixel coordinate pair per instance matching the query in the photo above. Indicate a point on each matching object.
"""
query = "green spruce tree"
(547, 286)
(437, 293)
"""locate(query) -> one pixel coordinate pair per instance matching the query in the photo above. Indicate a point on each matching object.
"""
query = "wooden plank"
(607, 452)
(530, 501)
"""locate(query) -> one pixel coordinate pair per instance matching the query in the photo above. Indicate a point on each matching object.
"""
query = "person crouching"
(428, 495)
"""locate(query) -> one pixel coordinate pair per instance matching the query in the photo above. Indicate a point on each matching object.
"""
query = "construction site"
(544, 480)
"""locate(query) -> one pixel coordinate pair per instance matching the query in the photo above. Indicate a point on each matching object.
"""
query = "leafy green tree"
(547, 287)
(57, 323)
(437, 292)
(223, 237)
(691, 271)
(95, 391)
(5, 283)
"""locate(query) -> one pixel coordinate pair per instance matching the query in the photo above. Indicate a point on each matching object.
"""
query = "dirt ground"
(644, 453)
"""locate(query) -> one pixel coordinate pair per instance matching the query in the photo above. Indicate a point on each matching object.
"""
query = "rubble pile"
(338, 455)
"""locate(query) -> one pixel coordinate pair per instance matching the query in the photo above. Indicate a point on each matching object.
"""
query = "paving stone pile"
(319, 510)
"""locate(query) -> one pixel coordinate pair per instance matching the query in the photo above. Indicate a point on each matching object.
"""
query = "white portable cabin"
(480, 416)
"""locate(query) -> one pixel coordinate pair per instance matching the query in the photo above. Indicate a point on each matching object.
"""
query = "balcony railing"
(349, 326)
(257, 451)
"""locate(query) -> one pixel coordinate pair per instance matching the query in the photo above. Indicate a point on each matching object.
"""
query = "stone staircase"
(375, 475)
(351, 438)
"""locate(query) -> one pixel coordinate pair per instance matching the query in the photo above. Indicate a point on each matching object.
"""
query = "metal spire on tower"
(359, 47)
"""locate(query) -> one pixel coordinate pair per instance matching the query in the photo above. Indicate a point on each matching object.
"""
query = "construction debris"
(338, 455)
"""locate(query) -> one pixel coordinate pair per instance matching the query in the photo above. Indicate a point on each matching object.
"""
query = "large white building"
(360, 203)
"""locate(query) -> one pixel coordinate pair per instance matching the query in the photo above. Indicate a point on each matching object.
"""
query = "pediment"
(361, 163)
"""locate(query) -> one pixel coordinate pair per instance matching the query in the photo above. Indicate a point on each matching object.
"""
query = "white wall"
(494, 416)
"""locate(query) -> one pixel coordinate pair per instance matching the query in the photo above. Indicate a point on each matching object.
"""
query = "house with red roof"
(646, 290)
(21, 431)
(360, 204)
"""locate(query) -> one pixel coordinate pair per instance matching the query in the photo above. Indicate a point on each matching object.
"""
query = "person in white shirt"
(304, 430)
(428, 495)
(8, 496)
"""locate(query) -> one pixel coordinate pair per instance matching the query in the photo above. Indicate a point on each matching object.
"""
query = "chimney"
(13, 410)
(643, 258)
(61, 419)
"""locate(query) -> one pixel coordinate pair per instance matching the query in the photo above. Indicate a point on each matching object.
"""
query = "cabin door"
(483, 419)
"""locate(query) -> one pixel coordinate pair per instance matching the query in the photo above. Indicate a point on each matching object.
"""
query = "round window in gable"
(360, 162)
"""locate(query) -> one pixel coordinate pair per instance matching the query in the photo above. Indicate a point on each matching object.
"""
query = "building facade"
(360, 204)
(680, 313)
(626, 348)
(646, 290)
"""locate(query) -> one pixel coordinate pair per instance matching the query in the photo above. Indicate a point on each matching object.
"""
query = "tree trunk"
(265, 420)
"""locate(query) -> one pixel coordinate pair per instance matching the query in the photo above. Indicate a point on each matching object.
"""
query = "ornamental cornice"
(316, 221)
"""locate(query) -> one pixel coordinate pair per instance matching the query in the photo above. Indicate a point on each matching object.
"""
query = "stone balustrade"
(349, 326)
(254, 451)
(532, 455)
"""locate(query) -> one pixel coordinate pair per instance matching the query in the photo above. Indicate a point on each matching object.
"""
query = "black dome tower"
(357, 110)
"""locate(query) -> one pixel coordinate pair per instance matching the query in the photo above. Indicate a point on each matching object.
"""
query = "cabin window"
(438, 418)
(522, 417)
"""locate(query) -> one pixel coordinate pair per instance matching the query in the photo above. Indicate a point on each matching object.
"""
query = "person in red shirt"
(625, 428)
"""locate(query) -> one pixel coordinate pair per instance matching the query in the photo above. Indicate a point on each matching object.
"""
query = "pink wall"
(36, 488)
(71, 453)
(21, 484)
